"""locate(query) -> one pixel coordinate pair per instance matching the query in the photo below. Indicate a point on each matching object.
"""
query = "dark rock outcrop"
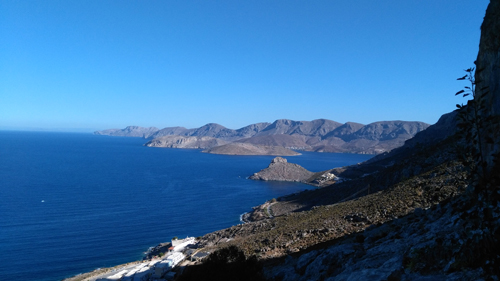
(487, 77)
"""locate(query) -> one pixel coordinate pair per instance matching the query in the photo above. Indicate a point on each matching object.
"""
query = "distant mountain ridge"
(129, 131)
(320, 135)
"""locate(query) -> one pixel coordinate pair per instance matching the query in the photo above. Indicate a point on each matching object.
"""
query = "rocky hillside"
(250, 149)
(395, 217)
(413, 176)
(281, 170)
(416, 213)
(185, 142)
(319, 135)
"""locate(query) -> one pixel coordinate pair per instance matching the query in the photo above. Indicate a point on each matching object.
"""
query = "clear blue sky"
(86, 65)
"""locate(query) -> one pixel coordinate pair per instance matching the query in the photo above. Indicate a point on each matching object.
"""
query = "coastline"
(88, 275)
(96, 273)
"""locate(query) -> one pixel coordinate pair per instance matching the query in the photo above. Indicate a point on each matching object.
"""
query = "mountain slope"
(236, 148)
(169, 131)
(185, 142)
(319, 127)
(318, 135)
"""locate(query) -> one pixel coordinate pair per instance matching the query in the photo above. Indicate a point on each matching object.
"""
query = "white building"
(168, 263)
(180, 244)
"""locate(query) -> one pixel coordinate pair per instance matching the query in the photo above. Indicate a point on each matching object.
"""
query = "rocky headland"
(185, 142)
(251, 149)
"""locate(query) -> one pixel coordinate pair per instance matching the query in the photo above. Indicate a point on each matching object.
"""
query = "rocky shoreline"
(376, 192)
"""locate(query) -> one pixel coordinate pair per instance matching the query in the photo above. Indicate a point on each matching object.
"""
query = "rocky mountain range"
(319, 135)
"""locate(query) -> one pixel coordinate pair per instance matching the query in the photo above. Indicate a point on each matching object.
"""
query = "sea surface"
(74, 202)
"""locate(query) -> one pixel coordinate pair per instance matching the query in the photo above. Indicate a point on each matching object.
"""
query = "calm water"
(70, 203)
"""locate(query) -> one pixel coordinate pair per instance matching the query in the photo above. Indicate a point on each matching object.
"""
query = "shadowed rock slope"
(426, 179)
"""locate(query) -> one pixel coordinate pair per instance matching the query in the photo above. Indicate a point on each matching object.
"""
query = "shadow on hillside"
(374, 175)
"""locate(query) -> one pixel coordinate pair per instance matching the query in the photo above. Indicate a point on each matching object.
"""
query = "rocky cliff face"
(185, 142)
(487, 76)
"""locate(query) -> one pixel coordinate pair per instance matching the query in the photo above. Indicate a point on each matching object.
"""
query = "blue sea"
(74, 202)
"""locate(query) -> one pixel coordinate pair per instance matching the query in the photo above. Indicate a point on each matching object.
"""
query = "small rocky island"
(281, 170)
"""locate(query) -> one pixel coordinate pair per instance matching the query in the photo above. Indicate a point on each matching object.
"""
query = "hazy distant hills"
(318, 135)
(130, 131)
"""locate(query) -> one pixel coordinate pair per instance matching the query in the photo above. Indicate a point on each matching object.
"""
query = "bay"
(71, 203)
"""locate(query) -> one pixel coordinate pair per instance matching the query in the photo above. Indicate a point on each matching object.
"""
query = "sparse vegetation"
(229, 263)
(477, 243)
(297, 231)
